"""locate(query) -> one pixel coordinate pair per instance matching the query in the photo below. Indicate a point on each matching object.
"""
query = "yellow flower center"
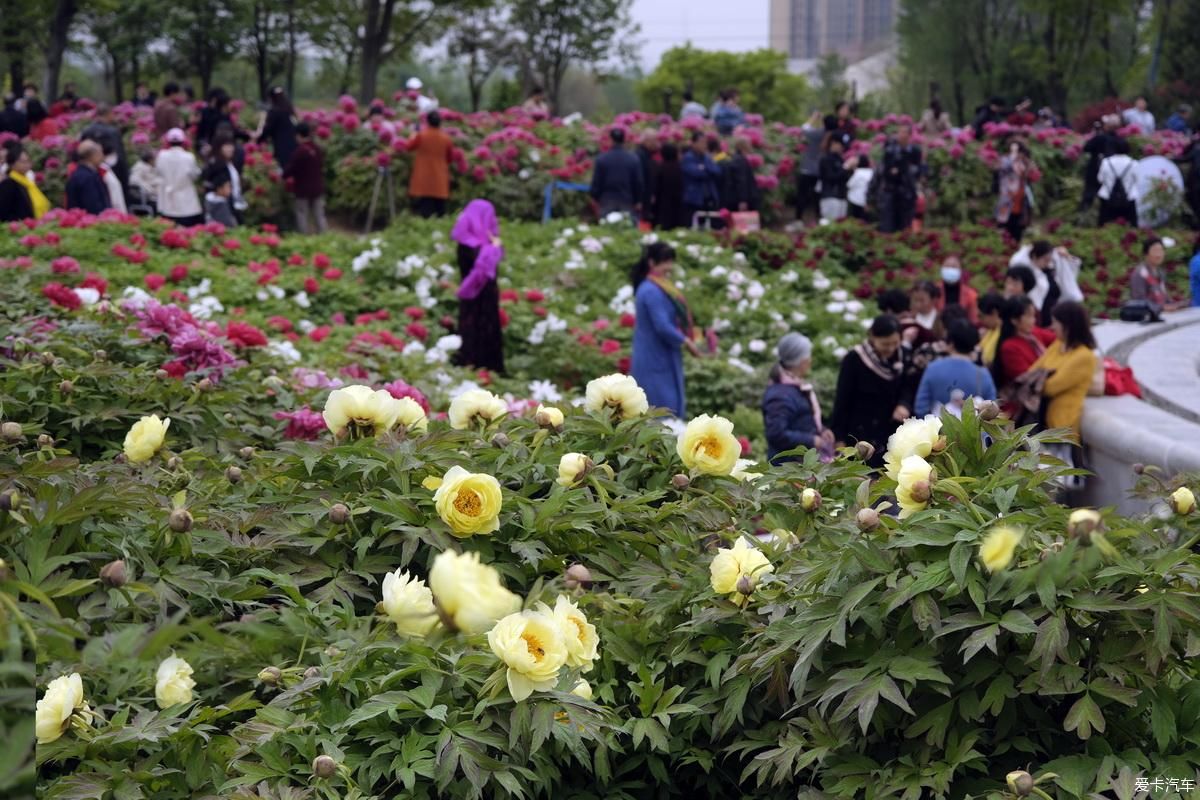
(710, 446)
(578, 626)
(534, 646)
(468, 503)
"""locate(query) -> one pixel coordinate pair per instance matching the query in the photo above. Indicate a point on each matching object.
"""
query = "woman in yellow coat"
(1071, 360)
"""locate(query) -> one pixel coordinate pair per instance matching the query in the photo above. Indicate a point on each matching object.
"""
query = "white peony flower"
(544, 392)
(301, 299)
(757, 346)
(449, 343)
(87, 295)
(840, 294)
(284, 350)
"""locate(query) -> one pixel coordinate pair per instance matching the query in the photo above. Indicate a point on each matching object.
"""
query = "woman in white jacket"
(177, 197)
(1055, 272)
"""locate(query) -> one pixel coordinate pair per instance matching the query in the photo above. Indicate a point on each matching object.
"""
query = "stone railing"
(1161, 429)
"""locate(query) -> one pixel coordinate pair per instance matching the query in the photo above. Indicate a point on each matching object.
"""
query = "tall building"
(808, 29)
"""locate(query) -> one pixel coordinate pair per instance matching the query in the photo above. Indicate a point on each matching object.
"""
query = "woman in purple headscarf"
(479, 252)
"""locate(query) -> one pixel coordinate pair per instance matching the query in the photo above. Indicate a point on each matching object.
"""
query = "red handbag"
(1118, 379)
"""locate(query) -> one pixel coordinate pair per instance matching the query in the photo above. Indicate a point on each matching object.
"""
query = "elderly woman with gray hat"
(791, 411)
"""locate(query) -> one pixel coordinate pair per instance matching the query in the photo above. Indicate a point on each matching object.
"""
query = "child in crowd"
(856, 187)
(217, 204)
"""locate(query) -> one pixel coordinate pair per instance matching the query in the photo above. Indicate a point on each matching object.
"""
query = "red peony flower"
(484, 377)
(61, 296)
(282, 324)
(95, 280)
(417, 331)
(154, 281)
(231, 244)
(744, 441)
(295, 260)
(601, 324)
(504, 318)
(414, 312)
(243, 334)
(321, 261)
(332, 274)
(178, 273)
(623, 365)
(534, 296)
(64, 265)
(310, 285)
(539, 311)
(610, 346)
(628, 320)
(509, 296)
(319, 333)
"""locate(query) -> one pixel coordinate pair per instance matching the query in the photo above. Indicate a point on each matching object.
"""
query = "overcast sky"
(709, 24)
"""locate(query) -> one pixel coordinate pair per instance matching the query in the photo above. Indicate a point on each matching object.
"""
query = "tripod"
(382, 174)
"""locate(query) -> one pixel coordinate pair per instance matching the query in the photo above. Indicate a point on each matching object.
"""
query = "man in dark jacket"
(993, 111)
(617, 178)
(739, 186)
(647, 153)
(85, 188)
(13, 120)
(1100, 146)
(305, 176)
(103, 132)
(897, 196)
(700, 174)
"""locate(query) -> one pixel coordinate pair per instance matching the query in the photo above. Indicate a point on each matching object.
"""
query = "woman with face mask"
(956, 292)
(874, 389)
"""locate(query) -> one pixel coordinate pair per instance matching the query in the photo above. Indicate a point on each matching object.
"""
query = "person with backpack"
(1118, 186)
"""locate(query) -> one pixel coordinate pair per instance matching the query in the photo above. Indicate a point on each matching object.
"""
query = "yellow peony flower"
(174, 682)
(619, 393)
(997, 548)
(548, 417)
(531, 645)
(583, 642)
(1183, 501)
(912, 491)
(63, 698)
(572, 467)
(145, 438)
(408, 602)
(1083, 521)
(469, 594)
(469, 502)
(915, 437)
(708, 445)
(410, 414)
(363, 410)
(810, 499)
(731, 565)
(583, 689)
(472, 404)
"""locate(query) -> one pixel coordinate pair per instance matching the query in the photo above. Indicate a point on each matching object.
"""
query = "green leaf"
(1162, 721)
(1051, 641)
(1083, 717)
(1018, 622)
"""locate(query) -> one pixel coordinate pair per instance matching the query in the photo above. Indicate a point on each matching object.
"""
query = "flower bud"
(745, 585)
(180, 520)
(113, 574)
(45, 440)
(246, 453)
(1082, 522)
(1139, 468)
(681, 481)
(204, 384)
(324, 767)
(270, 675)
(867, 519)
(500, 440)
(921, 491)
(66, 387)
(577, 576)
(865, 450)
(11, 432)
(312, 672)
(989, 411)
(1020, 783)
(810, 499)
(119, 458)
(174, 463)
(161, 374)
(339, 514)
(47, 357)
(100, 355)
(1183, 502)
(9, 499)
(940, 444)
(233, 475)
(549, 417)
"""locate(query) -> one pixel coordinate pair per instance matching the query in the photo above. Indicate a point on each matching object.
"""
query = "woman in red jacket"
(1021, 343)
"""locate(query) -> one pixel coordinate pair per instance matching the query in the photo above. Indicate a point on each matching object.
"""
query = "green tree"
(557, 34)
(203, 34)
(761, 76)
(481, 43)
(831, 80)
(122, 31)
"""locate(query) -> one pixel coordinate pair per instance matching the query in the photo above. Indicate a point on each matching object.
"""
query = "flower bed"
(509, 157)
(256, 608)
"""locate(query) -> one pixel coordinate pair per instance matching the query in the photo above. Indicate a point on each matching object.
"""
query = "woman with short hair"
(790, 408)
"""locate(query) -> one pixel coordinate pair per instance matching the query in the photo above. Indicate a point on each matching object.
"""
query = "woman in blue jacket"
(663, 328)
(791, 411)
(701, 176)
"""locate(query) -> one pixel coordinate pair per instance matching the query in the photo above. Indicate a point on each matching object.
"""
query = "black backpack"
(1119, 197)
